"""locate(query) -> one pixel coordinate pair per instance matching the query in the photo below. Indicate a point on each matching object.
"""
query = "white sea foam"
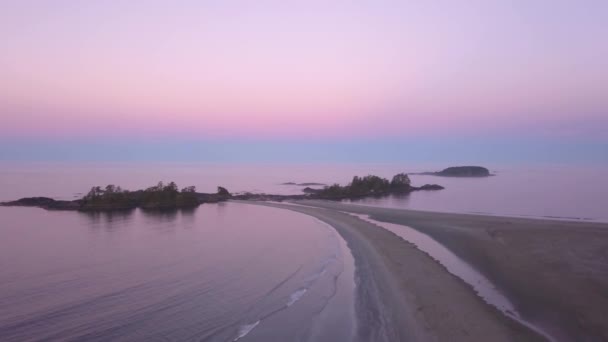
(245, 329)
(296, 296)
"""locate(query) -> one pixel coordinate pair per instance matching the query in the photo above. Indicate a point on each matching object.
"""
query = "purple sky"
(310, 70)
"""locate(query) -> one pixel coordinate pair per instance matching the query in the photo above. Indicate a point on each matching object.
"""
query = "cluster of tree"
(361, 186)
(367, 186)
(156, 197)
(111, 196)
(401, 182)
(168, 196)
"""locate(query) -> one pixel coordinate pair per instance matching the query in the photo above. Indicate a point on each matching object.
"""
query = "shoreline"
(482, 286)
(405, 295)
(554, 271)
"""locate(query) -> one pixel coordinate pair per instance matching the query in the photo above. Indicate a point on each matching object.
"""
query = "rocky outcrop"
(44, 202)
(309, 190)
(460, 171)
(430, 187)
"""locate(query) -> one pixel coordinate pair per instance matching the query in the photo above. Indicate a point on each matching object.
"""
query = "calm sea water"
(221, 272)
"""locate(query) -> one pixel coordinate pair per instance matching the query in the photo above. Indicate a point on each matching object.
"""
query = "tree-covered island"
(160, 196)
(460, 171)
(359, 187)
(112, 197)
(371, 186)
(169, 196)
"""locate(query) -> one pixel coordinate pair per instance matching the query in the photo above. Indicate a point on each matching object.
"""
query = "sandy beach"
(554, 272)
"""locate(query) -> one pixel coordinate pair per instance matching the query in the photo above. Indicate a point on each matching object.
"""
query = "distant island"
(460, 171)
(168, 196)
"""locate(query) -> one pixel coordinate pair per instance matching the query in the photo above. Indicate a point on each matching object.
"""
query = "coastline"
(405, 295)
(555, 272)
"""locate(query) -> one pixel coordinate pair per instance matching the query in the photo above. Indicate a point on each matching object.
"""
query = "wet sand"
(405, 295)
(554, 272)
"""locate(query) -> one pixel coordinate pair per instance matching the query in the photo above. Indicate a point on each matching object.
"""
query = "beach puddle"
(484, 288)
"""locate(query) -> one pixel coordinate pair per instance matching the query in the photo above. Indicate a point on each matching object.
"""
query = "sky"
(463, 80)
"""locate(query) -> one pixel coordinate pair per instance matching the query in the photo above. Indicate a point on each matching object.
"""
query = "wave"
(296, 296)
(323, 268)
(245, 329)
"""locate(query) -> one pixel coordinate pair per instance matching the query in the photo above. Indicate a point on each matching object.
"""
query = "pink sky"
(307, 68)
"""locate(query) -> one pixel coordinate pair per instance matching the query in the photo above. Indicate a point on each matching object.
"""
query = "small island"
(460, 171)
(370, 186)
(112, 197)
(359, 187)
(169, 196)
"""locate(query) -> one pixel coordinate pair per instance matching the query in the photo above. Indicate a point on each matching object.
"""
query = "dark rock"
(44, 202)
(30, 202)
(460, 171)
(309, 190)
(430, 187)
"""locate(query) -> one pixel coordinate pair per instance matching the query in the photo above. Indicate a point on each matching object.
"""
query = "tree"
(158, 187)
(332, 191)
(189, 189)
(367, 185)
(94, 193)
(171, 187)
(222, 191)
(400, 181)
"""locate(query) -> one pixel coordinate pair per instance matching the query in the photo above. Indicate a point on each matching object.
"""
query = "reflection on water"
(162, 215)
(189, 275)
(108, 219)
